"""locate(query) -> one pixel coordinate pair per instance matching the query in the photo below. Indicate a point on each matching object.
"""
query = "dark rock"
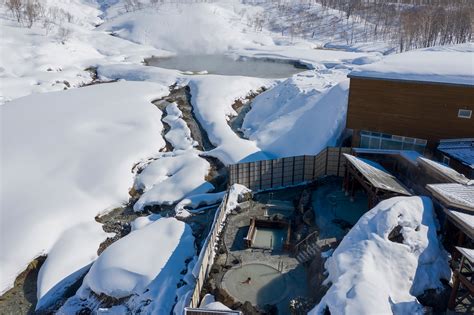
(437, 300)
(85, 311)
(248, 309)
(244, 197)
(396, 235)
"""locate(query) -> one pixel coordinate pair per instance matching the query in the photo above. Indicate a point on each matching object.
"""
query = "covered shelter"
(457, 201)
(442, 173)
(373, 178)
(463, 284)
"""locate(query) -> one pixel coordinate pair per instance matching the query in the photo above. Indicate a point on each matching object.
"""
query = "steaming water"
(269, 238)
(226, 65)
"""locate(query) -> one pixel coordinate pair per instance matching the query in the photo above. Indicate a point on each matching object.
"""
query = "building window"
(465, 113)
(446, 160)
(377, 140)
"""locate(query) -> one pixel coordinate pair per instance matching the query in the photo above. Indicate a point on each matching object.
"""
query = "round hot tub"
(258, 283)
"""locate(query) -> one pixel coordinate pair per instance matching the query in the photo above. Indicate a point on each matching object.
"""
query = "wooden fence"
(290, 171)
(206, 257)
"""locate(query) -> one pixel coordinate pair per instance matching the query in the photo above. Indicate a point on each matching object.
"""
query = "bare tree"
(32, 12)
(16, 7)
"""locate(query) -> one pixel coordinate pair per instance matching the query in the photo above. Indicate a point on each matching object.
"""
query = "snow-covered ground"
(372, 274)
(171, 178)
(67, 156)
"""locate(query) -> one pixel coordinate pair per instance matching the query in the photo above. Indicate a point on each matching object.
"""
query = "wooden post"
(282, 170)
(304, 168)
(271, 173)
(293, 173)
(454, 291)
(352, 189)
(326, 164)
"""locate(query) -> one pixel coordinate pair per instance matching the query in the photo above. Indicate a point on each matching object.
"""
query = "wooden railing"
(206, 257)
(312, 237)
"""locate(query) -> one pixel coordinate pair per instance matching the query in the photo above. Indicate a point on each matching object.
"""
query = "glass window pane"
(364, 142)
(391, 145)
(374, 143)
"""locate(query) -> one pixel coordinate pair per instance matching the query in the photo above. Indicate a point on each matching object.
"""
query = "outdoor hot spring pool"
(227, 65)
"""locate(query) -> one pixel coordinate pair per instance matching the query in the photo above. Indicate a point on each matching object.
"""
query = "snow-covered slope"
(67, 156)
(371, 274)
(302, 115)
(186, 28)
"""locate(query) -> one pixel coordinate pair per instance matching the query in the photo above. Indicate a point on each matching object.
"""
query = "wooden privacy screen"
(284, 172)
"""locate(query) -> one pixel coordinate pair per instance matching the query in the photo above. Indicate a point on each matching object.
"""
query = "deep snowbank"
(371, 274)
(65, 157)
(145, 265)
(302, 115)
(64, 265)
(129, 265)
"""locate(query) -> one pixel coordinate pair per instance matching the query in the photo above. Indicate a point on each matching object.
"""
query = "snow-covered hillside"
(66, 157)
(70, 151)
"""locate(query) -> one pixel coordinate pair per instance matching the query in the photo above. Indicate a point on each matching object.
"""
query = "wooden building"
(412, 100)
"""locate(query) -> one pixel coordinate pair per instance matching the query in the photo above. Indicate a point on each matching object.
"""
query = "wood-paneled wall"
(412, 109)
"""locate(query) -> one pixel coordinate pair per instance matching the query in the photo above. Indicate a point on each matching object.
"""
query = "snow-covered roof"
(448, 65)
(459, 149)
(467, 252)
(376, 175)
(454, 195)
(447, 172)
(462, 220)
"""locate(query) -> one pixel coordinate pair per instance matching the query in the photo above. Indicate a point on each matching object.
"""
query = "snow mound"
(63, 266)
(179, 134)
(208, 302)
(129, 265)
(149, 270)
(52, 172)
(186, 206)
(171, 178)
(371, 274)
(301, 115)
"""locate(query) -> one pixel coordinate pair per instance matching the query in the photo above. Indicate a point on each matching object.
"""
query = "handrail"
(306, 239)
